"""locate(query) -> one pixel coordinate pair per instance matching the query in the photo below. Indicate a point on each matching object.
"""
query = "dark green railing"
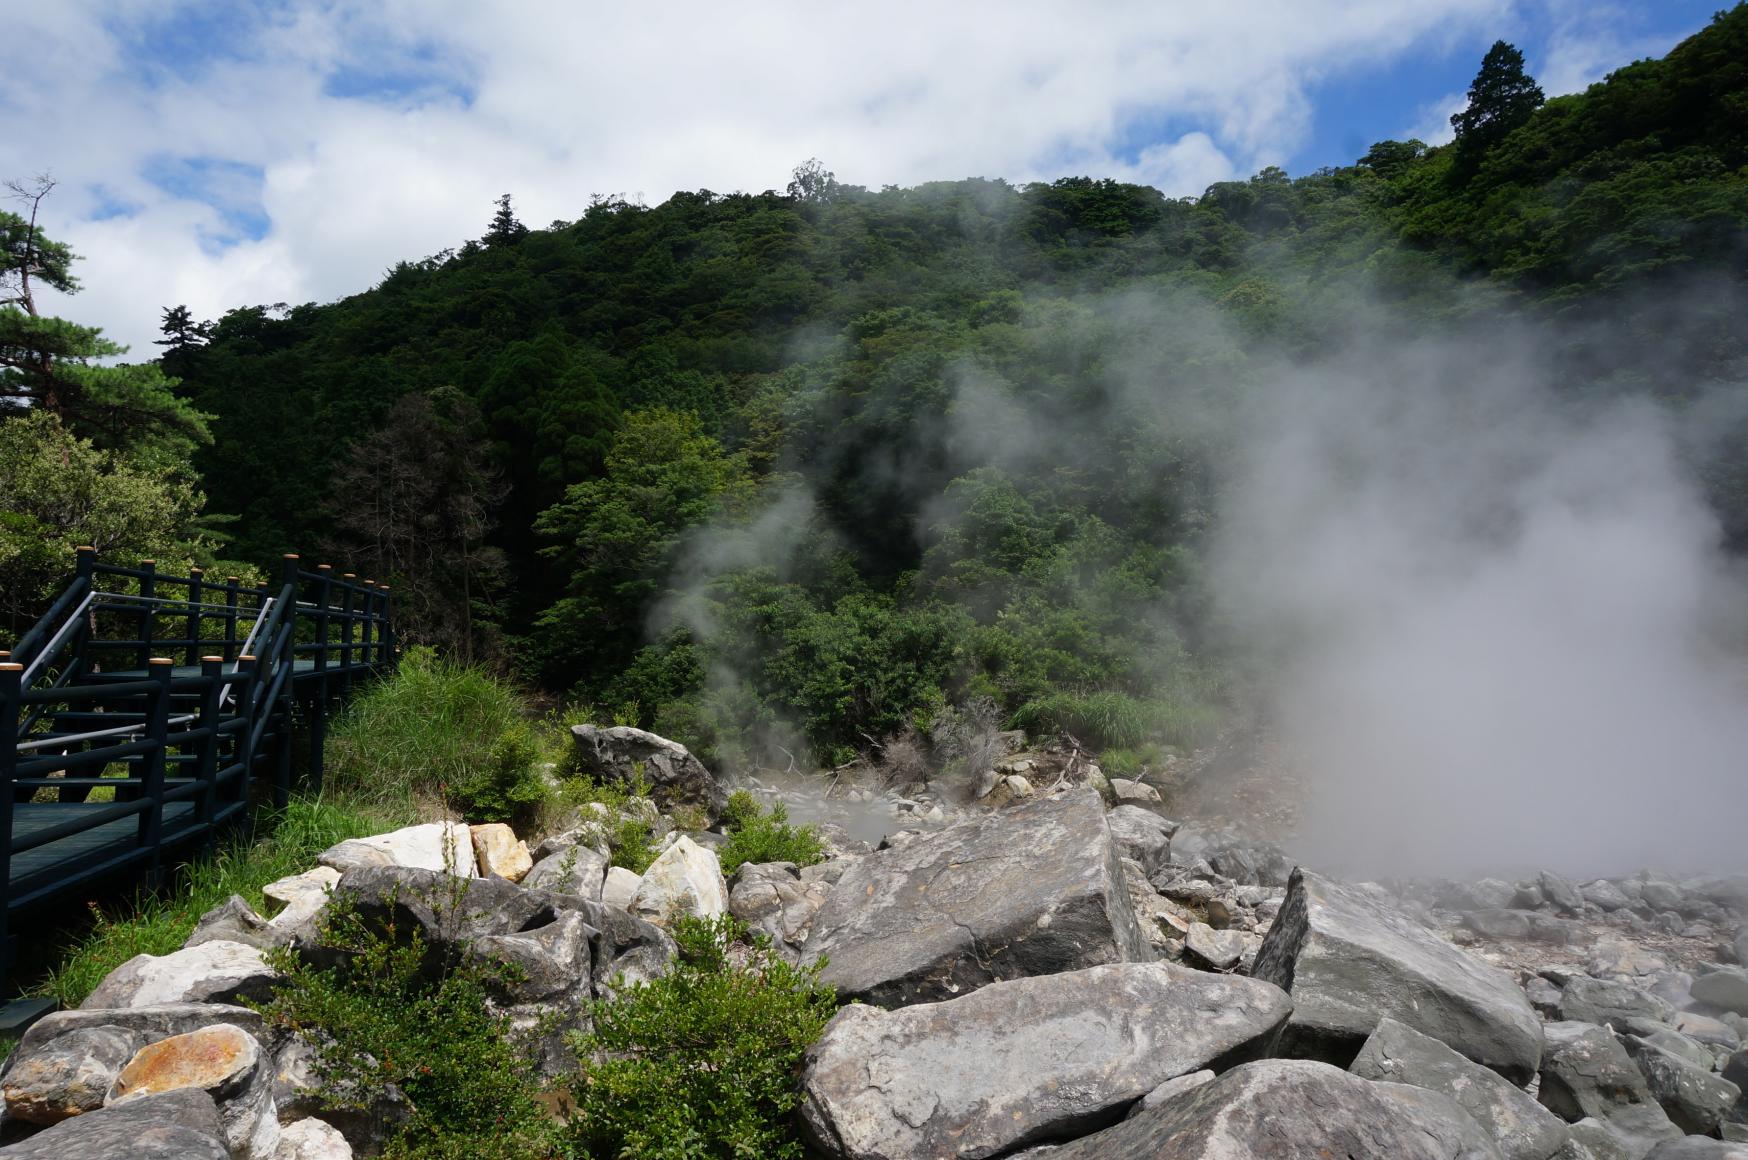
(178, 697)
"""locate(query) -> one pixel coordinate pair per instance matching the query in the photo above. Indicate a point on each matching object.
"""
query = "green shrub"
(756, 836)
(631, 843)
(703, 1062)
(382, 1015)
(158, 924)
(439, 732)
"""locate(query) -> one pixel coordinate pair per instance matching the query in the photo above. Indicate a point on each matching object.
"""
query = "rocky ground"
(1044, 964)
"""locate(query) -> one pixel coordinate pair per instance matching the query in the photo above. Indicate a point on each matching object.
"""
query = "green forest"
(789, 475)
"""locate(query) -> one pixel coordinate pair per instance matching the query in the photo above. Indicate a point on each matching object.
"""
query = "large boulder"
(1034, 890)
(1587, 1000)
(1349, 960)
(226, 1063)
(1522, 1128)
(67, 1076)
(1024, 1060)
(179, 1125)
(1694, 1098)
(576, 869)
(1586, 1074)
(1725, 987)
(685, 880)
(1142, 835)
(627, 755)
(1698, 1148)
(213, 972)
(1287, 1109)
(312, 1140)
(443, 846)
(498, 851)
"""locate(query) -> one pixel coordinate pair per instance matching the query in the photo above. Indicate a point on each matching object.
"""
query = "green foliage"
(436, 732)
(157, 924)
(62, 491)
(382, 1015)
(1116, 720)
(758, 836)
(705, 1061)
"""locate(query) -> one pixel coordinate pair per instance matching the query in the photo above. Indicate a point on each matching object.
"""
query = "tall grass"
(438, 734)
(1110, 719)
(157, 924)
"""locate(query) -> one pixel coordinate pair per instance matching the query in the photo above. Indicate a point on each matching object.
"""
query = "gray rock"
(1025, 1060)
(444, 846)
(771, 898)
(179, 1125)
(1142, 835)
(1725, 988)
(1136, 793)
(577, 869)
(234, 920)
(1668, 1039)
(1693, 1097)
(450, 912)
(1560, 892)
(1034, 890)
(1349, 961)
(225, 1062)
(1586, 1000)
(66, 1076)
(143, 1023)
(1170, 1089)
(675, 777)
(214, 972)
(1587, 1074)
(1487, 894)
(1522, 1128)
(1707, 1030)
(1661, 894)
(1595, 1137)
(1605, 895)
(1292, 1110)
(1214, 950)
(1697, 1148)
(1543, 996)
(684, 881)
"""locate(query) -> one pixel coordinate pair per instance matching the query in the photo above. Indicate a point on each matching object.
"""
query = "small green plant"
(1113, 720)
(703, 1062)
(631, 843)
(757, 836)
(393, 1011)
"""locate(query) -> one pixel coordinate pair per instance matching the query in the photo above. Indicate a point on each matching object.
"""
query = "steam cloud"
(1495, 625)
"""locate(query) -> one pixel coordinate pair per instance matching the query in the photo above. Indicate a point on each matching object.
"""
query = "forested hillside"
(821, 466)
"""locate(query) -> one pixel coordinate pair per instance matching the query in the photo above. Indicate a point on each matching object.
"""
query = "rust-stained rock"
(222, 1060)
(497, 850)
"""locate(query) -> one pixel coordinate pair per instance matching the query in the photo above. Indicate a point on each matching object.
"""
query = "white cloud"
(553, 101)
(1432, 123)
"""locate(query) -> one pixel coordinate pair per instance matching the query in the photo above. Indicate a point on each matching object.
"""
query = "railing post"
(347, 631)
(207, 757)
(230, 616)
(388, 631)
(157, 732)
(367, 630)
(148, 590)
(192, 653)
(11, 683)
(246, 697)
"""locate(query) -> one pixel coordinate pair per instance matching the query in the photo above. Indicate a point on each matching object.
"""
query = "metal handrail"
(55, 642)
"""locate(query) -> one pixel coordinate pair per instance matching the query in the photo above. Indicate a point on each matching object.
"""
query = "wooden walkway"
(178, 698)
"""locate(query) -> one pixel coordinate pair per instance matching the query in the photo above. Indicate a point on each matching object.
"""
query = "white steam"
(1494, 626)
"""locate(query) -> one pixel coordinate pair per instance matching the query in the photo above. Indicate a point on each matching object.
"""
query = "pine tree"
(505, 229)
(1501, 98)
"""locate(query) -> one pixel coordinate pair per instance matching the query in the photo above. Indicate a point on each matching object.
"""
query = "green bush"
(438, 732)
(383, 1016)
(756, 836)
(703, 1062)
(158, 924)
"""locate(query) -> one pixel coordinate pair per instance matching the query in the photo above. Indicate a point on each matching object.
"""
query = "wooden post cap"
(231, 579)
(382, 587)
(324, 567)
(250, 657)
(212, 660)
(85, 548)
(348, 575)
(148, 563)
(293, 556)
(9, 667)
(195, 570)
(160, 661)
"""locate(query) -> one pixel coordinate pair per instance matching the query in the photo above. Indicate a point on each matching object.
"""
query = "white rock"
(497, 850)
(432, 846)
(620, 887)
(301, 895)
(1019, 786)
(212, 972)
(312, 1140)
(1134, 792)
(686, 879)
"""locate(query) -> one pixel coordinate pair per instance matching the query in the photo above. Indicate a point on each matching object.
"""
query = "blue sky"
(229, 152)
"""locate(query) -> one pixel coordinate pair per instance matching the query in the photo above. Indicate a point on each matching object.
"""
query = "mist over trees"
(817, 467)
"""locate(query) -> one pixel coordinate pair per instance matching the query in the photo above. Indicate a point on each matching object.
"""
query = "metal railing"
(94, 702)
